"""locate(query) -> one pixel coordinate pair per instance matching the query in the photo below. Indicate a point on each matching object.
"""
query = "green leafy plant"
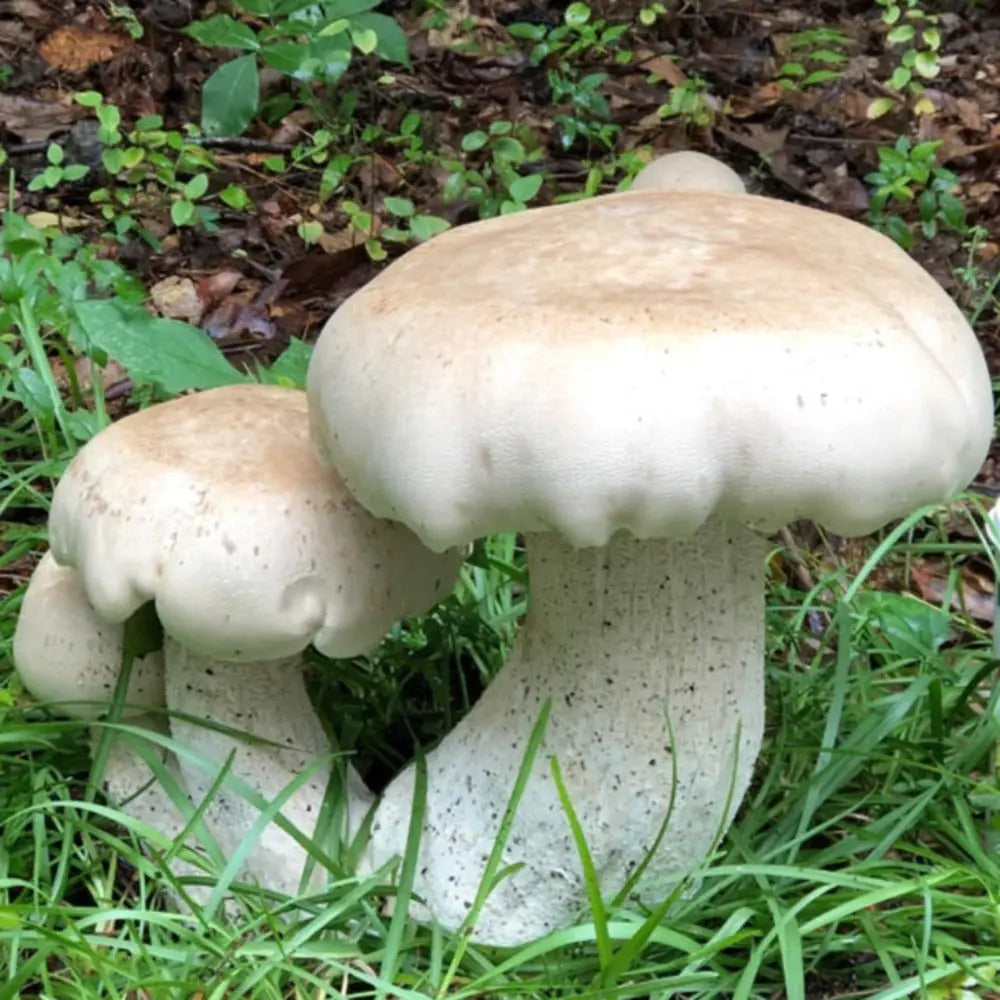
(691, 102)
(914, 35)
(583, 112)
(150, 169)
(58, 171)
(814, 55)
(492, 175)
(909, 174)
(312, 43)
(44, 273)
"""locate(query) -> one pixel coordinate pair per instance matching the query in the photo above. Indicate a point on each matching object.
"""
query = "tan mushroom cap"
(647, 360)
(688, 170)
(66, 654)
(216, 507)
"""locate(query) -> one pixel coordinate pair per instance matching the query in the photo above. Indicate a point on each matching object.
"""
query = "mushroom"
(687, 170)
(642, 384)
(214, 507)
(69, 658)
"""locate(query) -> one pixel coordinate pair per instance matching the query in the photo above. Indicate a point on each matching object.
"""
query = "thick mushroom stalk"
(269, 701)
(652, 655)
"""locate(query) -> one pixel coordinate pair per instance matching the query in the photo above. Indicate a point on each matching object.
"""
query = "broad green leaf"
(230, 97)
(393, 45)
(333, 56)
(286, 56)
(349, 8)
(225, 32)
(175, 356)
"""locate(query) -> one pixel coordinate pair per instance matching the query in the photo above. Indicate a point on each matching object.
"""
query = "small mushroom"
(687, 170)
(70, 659)
(642, 384)
(214, 507)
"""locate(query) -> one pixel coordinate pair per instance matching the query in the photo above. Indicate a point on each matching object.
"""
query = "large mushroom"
(642, 384)
(215, 508)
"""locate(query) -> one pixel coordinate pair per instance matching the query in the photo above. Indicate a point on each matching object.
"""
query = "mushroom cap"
(687, 170)
(216, 507)
(65, 653)
(646, 360)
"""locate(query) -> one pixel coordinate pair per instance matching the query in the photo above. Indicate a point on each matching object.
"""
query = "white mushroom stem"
(268, 702)
(651, 653)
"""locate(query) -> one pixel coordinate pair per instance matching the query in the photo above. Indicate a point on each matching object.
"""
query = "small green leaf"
(375, 250)
(230, 97)
(879, 107)
(473, 141)
(927, 65)
(365, 40)
(400, 207)
(523, 189)
(88, 98)
(901, 76)
(424, 227)
(577, 14)
(182, 213)
(54, 154)
(235, 197)
(196, 187)
(310, 231)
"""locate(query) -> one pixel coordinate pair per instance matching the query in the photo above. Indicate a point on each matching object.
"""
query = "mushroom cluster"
(215, 508)
(643, 385)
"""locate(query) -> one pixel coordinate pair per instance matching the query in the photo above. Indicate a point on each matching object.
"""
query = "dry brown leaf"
(35, 121)
(13, 33)
(344, 239)
(177, 298)
(974, 593)
(216, 287)
(75, 49)
(666, 69)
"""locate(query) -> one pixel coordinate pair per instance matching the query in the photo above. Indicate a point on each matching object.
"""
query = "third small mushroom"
(644, 385)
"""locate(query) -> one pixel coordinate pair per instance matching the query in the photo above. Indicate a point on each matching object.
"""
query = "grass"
(864, 861)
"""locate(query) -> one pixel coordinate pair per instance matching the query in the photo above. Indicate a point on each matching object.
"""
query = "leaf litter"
(783, 92)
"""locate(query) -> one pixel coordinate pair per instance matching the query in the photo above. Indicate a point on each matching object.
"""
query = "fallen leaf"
(35, 121)
(49, 220)
(177, 298)
(75, 49)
